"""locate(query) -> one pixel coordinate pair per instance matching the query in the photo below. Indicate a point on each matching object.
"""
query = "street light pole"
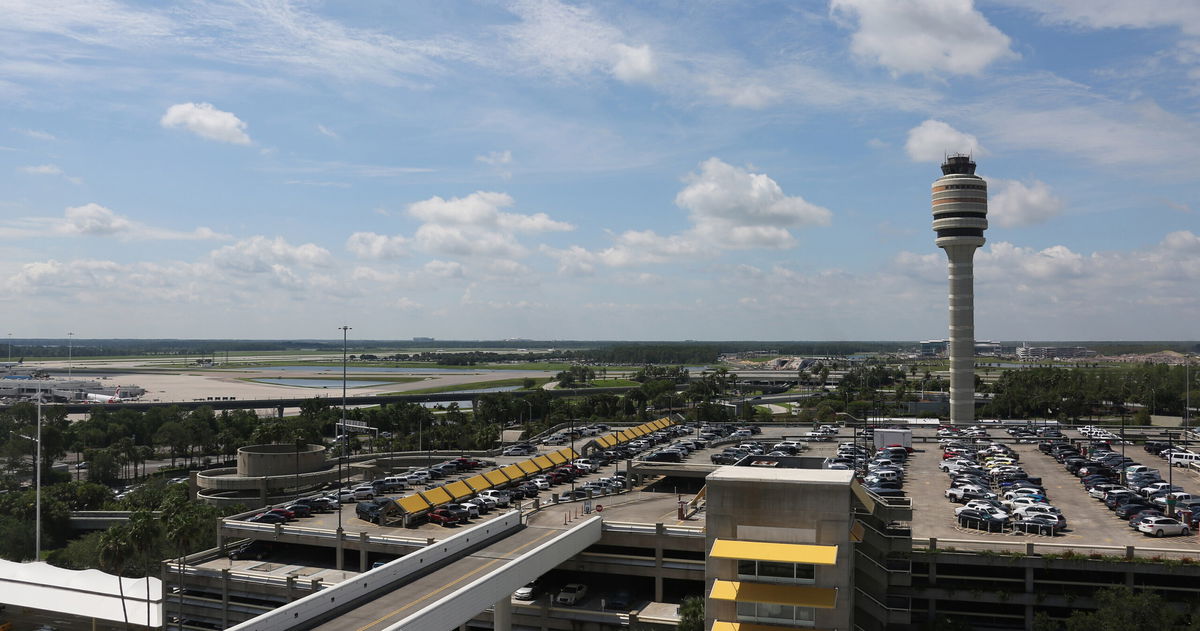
(38, 493)
(342, 427)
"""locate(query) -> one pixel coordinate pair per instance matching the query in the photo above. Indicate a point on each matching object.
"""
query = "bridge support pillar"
(502, 615)
(340, 549)
(362, 552)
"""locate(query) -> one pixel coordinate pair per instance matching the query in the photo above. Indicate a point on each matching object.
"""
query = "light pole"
(342, 427)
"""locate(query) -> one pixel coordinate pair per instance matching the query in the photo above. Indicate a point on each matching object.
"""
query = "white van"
(1184, 458)
(396, 482)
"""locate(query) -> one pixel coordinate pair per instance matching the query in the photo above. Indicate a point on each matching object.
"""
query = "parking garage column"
(502, 614)
(224, 598)
(340, 546)
(362, 552)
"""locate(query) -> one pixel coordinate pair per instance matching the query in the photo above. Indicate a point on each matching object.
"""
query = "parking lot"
(1089, 521)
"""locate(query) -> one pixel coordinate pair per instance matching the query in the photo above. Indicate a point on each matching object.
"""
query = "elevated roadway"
(219, 403)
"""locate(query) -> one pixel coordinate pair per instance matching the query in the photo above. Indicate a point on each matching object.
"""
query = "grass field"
(614, 383)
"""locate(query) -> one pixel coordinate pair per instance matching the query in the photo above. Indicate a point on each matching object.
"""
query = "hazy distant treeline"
(687, 352)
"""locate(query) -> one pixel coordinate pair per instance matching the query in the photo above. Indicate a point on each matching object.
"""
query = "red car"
(443, 517)
(284, 513)
(467, 463)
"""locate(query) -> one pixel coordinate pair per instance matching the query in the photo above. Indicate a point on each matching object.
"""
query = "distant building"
(1053, 352)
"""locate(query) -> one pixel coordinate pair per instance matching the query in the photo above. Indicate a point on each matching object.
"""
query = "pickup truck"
(964, 493)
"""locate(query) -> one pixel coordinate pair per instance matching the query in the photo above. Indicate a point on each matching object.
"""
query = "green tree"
(1122, 608)
(691, 614)
(116, 547)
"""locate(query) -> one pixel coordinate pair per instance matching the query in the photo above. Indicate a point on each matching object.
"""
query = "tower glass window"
(769, 613)
(775, 572)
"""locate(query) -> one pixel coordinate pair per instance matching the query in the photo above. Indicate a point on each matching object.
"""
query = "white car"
(1016, 503)
(1162, 527)
(590, 465)
(542, 483)
(500, 497)
(987, 508)
(1027, 511)
(364, 492)
(571, 594)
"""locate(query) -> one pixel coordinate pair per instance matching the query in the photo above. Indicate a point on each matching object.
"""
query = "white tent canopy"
(85, 593)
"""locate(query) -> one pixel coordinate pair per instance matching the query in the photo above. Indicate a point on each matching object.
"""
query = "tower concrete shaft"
(959, 219)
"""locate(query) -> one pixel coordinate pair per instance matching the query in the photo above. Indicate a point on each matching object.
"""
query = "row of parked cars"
(884, 475)
(996, 493)
(1133, 491)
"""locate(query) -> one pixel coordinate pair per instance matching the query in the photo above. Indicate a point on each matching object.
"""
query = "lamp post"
(342, 427)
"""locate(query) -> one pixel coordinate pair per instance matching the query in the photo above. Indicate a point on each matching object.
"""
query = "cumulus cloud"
(729, 208)
(924, 36)
(258, 254)
(1013, 203)
(496, 158)
(476, 225)
(732, 207)
(932, 140)
(206, 121)
(368, 245)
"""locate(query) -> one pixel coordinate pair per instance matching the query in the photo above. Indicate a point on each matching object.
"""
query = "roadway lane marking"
(438, 590)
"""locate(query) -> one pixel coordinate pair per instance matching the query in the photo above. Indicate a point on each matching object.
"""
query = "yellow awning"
(496, 477)
(479, 483)
(625, 436)
(659, 424)
(458, 489)
(413, 504)
(720, 625)
(437, 496)
(543, 462)
(513, 472)
(607, 440)
(637, 431)
(568, 453)
(529, 467)
(795, 595)
(781, 552)
(556, 458)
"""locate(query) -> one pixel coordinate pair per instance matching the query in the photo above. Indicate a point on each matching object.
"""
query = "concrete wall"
(266, 460)
(783, 512)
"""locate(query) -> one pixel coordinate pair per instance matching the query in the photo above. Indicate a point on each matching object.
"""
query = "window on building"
(769, 613)
(775, 572)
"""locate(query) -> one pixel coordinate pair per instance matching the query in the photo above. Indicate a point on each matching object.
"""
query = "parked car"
(1163, 526)
(443, 517)
(1038, 525)
(500, 497)
(529, 591)
(975, 518)
(571, 594)
(257, 550)
(300, 510)
(268, 518)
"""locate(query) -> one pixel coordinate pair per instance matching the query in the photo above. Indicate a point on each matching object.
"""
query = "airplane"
(108, 398)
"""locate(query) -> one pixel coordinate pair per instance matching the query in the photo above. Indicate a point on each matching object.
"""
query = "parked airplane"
(108, 398)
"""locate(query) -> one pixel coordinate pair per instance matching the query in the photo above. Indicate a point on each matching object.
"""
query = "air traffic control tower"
(959, 218)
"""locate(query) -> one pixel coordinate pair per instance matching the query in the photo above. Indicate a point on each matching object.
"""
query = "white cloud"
(932, 140)
(444, 269)
(734, 208)
(49, 169)
(1012, 203)
(36, 134)
(496, 158)
(94, 220)
(634, 63)
(570, 41)
(258, 254)
(1111, 14)
(475, 225)
(368, 245)
(924, 36)
(325, 131)
(206, 121)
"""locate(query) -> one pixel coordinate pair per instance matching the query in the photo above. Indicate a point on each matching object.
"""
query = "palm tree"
(145, 530)
(185, 525)
(116, 546)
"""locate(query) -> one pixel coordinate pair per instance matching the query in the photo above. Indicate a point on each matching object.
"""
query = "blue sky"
(555, 170)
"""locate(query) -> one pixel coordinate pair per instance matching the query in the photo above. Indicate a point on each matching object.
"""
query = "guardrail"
(1037, 548)
(322, 533)
(652, 529)
(320, 604)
